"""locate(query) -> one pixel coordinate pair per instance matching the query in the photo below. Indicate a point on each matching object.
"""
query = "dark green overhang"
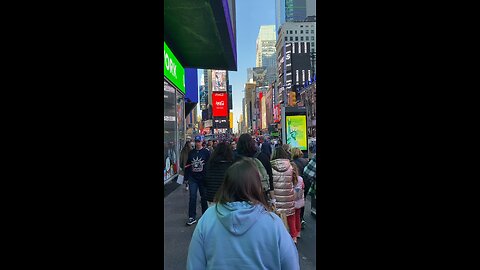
(200, 33)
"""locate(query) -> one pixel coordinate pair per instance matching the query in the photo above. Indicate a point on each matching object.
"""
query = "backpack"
(263, 173)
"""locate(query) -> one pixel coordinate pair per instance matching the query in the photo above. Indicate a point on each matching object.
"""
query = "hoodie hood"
(238, 217)
(280, 165)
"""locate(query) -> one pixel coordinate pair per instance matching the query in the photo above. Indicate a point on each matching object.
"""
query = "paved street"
(177, 234)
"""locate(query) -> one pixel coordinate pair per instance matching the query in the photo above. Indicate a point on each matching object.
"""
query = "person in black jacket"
(195, 173)
(247, 147)
(220, 161)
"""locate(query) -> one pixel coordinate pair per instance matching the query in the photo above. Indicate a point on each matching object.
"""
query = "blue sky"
(250, 15)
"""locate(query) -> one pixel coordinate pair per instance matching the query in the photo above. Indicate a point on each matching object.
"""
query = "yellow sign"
(231, 119)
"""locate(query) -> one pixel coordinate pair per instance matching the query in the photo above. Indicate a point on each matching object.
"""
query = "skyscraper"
(293, 10)
(266, 46)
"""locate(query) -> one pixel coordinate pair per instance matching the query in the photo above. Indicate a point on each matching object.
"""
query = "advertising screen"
(203, 97)
(220, 106)
(219, 80)
(296, 126)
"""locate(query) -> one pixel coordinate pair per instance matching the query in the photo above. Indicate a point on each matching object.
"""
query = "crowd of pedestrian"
(252, 194)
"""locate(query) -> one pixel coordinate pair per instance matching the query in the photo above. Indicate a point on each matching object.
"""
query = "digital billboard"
(220, 106)
(203, 97)
(219, 80)
(296, 128)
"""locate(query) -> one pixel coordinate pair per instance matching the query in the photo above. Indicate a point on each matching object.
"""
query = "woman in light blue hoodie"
(240, 232)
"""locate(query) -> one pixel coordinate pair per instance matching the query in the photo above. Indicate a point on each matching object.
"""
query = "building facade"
(265, 45)
(293, 10)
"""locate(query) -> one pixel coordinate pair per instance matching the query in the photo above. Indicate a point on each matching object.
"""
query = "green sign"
(172, 69)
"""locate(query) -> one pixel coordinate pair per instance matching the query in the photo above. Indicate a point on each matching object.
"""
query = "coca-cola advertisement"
(220, 104)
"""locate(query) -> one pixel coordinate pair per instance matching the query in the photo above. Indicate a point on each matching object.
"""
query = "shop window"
(170, 142)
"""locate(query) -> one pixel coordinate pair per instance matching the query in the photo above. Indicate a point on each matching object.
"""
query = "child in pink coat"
(299, 201)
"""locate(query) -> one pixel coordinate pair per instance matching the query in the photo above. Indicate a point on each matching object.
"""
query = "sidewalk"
(177, 235)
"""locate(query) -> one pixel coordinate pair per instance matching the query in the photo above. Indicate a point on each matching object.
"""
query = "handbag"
(180, 179)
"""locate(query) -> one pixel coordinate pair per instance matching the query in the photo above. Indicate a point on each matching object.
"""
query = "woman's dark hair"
(222, 152)
(280, 153)
(246, 145)
(242, 184)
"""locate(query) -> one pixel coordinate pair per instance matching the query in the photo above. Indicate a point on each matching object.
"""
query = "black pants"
(308, 183)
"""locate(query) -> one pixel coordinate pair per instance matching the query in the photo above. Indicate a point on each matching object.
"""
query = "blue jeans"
(192, 204)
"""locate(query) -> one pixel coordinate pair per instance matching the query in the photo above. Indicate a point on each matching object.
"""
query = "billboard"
(220, 106)
(221, 122)
(277, 113)
(296, 129)
(219, 80)
(259, 75)
(203, 97)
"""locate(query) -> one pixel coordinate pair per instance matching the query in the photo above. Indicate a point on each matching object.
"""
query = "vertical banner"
(231, 119)
(230, 98)
(264, 112)
(203, 97)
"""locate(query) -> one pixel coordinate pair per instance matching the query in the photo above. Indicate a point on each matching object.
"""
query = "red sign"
(220, 106)
(277, 111)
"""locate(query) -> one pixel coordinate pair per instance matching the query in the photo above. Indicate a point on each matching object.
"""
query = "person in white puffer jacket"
(283, 184)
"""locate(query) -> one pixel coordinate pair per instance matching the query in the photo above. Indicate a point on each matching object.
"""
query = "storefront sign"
(172, 69)
(220, 106)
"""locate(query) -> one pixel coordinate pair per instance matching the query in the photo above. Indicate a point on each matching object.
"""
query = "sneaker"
(191, 221)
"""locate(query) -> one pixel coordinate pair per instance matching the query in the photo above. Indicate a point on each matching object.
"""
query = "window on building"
(312, 31)
(296, 38)
(306, 31)
(301, 31)
(306, 38)
(291, 32)
(291, 38)
(313, 44)
(295, 31)
(301, 38)
(312, 38)
(286, 38)
(301, 25)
